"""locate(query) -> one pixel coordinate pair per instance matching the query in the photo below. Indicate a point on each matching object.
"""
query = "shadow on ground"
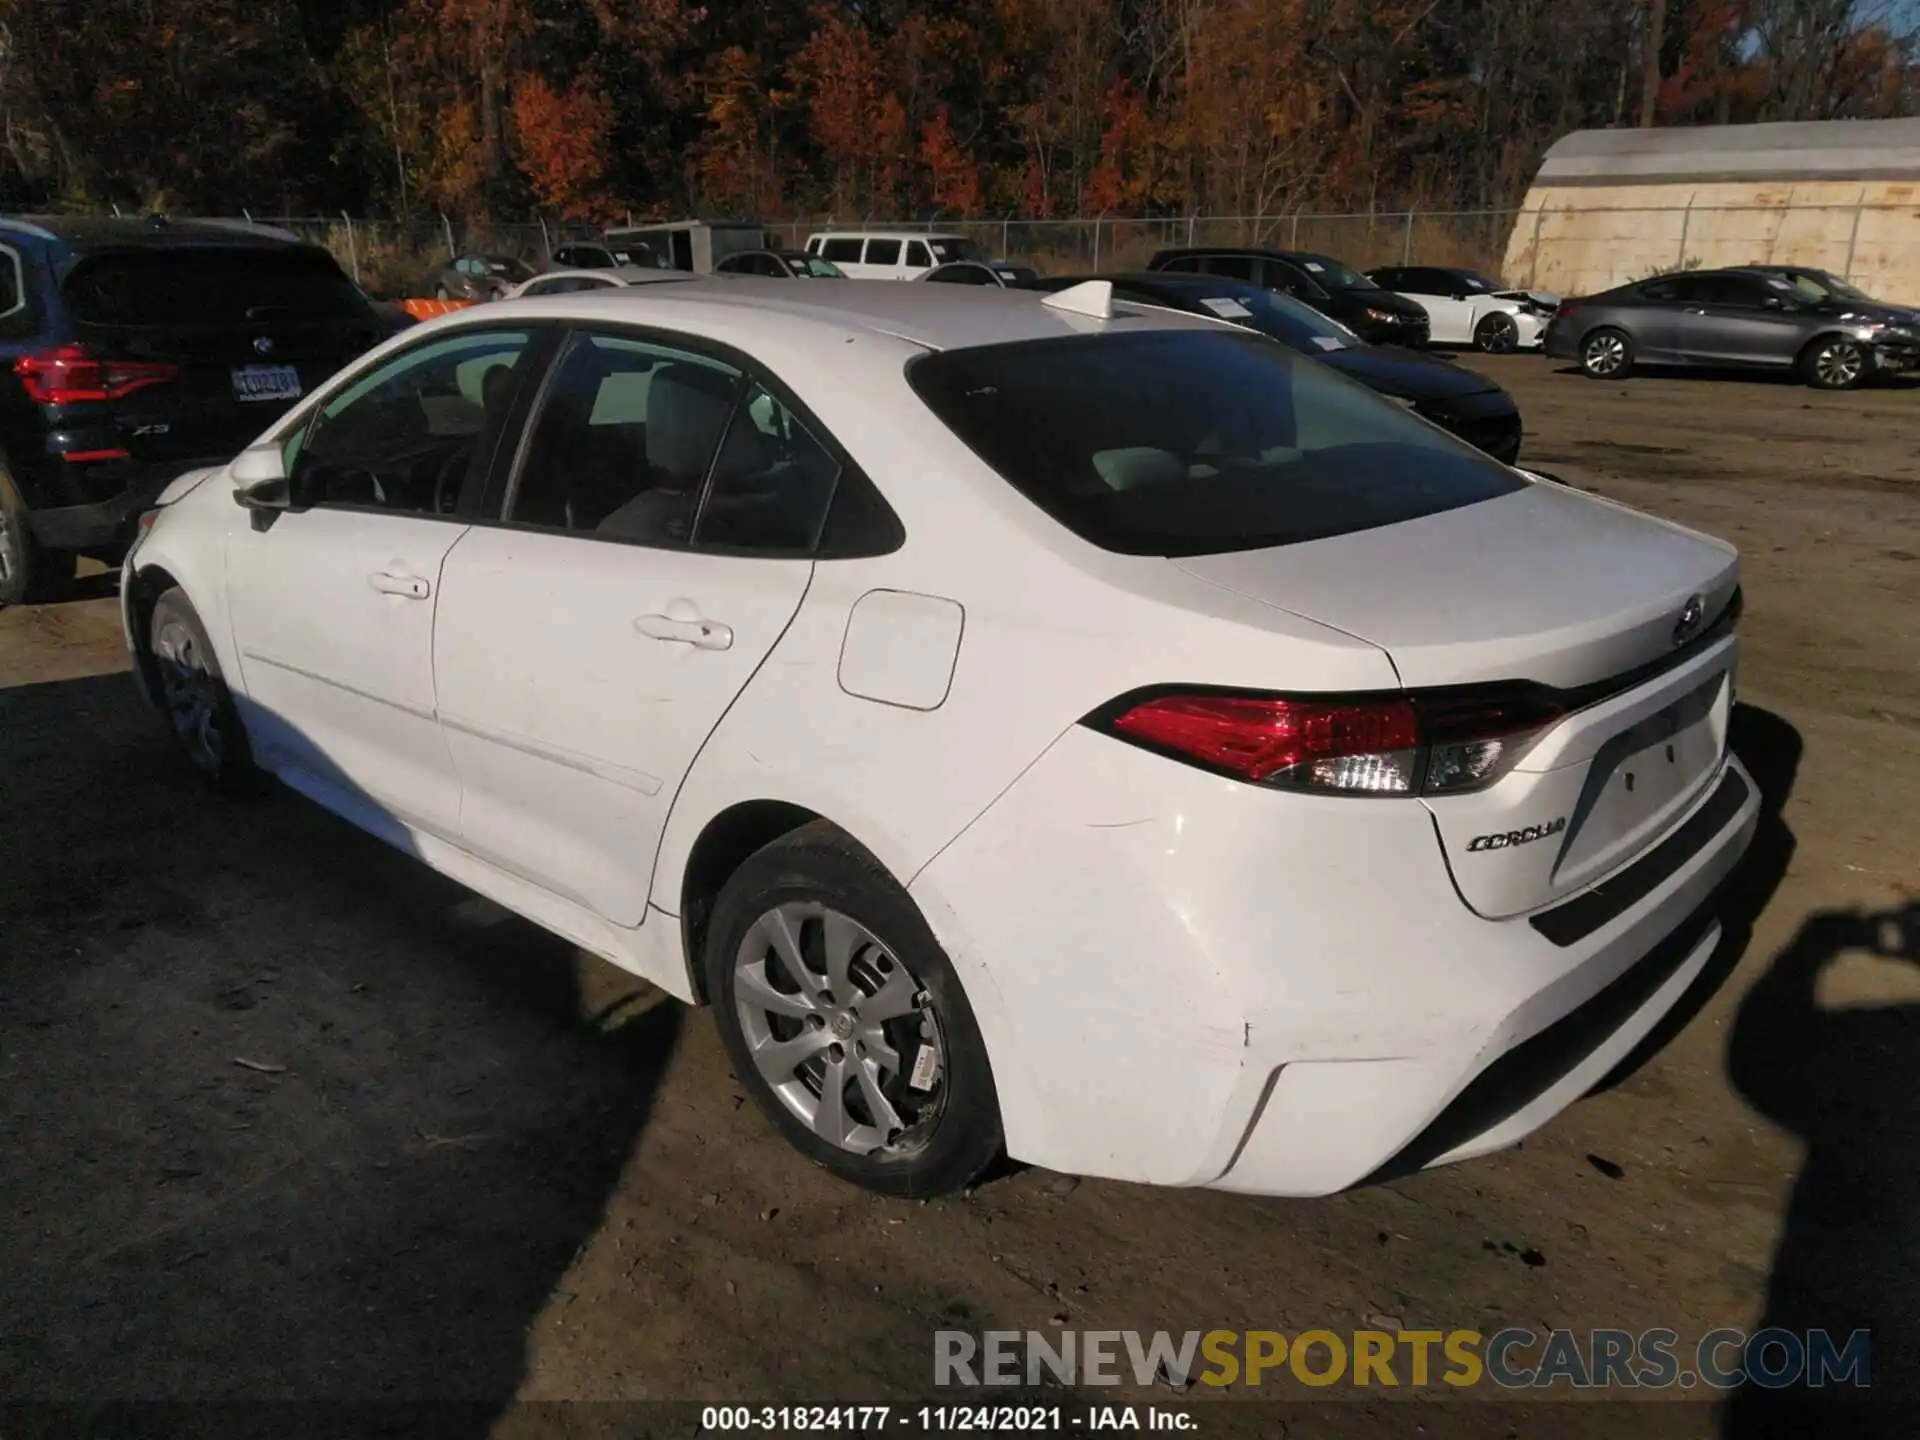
(286, 1117)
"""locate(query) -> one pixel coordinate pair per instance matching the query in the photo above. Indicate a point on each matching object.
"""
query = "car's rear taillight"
(1409, 743)
(74, 375)
(1564, 309)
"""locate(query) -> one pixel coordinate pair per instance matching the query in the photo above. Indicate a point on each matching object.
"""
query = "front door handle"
(410, 586)
(701, 634)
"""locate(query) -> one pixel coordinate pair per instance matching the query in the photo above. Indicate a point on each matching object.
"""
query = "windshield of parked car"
(949, 249)
(1819, 287)
(1279, 317)
(813, 267)
(1331, 274)
(1194, 442)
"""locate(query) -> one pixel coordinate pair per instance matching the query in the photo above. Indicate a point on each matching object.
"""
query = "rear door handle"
(701, 634)
(410, 586)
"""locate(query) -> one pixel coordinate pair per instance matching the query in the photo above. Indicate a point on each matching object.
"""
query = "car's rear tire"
(29, 573)
(1497, 334)
(1835, 362)
(194, 697)
(1606, 354)
(826, 981)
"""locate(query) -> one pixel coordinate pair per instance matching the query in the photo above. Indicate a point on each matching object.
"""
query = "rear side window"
(882, 252)
(1197, 442)
(842, 251)
(207, 287)
(13, 289)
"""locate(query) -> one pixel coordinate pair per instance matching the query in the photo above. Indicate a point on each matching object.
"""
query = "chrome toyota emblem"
(263, 345)
(1688, 625)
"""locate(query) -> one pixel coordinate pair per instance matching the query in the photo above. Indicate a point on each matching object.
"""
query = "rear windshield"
(1196, 442)
(209, 287)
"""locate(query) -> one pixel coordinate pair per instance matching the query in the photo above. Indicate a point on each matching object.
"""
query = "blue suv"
(134, 350)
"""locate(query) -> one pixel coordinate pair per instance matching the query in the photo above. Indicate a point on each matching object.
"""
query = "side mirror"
(259, 476)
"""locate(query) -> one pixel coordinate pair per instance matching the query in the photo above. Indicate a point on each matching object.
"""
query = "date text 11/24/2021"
(939, 1419)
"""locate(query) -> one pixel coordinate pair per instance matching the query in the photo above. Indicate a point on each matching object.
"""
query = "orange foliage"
(563, 144)
(953, 173)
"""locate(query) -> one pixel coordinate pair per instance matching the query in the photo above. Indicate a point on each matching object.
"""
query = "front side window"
(772, 484)
(1183, 265)
(1192, 442)
(409, 435)
(623, 441)
(917, 256)
(1233, 267)
(882, 252)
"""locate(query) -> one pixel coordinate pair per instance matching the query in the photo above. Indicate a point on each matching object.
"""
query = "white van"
(889, 254)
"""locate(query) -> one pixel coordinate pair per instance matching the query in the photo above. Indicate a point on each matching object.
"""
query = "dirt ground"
(284, 1117)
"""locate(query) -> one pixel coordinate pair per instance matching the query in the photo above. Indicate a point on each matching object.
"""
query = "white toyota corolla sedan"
(1038, 724)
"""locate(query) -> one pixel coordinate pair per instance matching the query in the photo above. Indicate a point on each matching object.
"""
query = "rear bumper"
(108, 525)
(1209, 984)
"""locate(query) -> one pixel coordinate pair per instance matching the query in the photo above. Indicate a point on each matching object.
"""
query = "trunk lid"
(1616, 610)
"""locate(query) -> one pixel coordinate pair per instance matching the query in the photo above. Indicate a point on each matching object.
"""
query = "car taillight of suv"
(73, 375)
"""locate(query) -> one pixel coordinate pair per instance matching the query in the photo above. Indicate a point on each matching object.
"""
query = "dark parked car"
(1002, 273)
(482, 277)
(134, 350)
(1458, 400)
(1745, 318)
(1377, 316)
(601, 255)
(778, 265)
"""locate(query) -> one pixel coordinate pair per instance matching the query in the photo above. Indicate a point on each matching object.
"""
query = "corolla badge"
(263, 345)
(1688, 625)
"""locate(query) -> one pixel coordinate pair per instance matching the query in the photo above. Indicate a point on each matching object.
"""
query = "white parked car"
(889, 254)
(1046, 723)
(1469, 309)
(577, 282)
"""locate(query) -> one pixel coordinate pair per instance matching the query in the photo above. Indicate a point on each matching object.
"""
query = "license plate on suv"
(266, 382)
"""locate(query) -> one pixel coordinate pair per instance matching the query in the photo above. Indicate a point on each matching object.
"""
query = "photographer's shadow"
(1847, 1082)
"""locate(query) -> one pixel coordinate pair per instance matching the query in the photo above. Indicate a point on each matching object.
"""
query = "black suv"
(1377, 316)
(134, 350)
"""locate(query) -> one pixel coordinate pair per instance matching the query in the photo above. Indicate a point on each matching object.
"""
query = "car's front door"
(588, 643)
(1439, 294)
(1741, 320)
(333, 600)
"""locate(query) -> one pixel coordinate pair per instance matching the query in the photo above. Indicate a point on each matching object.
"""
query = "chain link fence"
(1569, 247)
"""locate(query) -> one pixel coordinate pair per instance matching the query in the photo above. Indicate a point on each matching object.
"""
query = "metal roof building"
(1609, 206)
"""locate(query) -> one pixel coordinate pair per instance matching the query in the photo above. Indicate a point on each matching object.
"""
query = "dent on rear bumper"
(1211, 984)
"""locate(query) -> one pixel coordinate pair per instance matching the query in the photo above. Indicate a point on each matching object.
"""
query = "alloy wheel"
(1839, 364)
(839, 1029)
(190, 693)
(12, 560)
(1498, 334)
(1605, 354)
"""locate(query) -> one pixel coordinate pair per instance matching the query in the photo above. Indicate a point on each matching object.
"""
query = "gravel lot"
(286, 1117)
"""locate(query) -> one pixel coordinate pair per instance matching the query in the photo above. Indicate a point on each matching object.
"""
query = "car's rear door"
(332, 602)
(589, 641)
(246, 329)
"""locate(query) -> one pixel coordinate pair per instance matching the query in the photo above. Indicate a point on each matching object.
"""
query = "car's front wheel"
(194, 696)
(1835, 362)
(843, 1016)
(1497, 334)
(1606, 354)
